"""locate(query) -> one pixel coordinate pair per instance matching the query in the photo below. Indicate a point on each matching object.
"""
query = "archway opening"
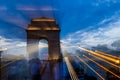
(43, 49)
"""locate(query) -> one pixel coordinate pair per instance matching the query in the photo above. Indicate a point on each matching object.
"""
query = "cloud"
(11, 43)
(43, 45)
(21, 44)
(106, 2)
(4, 41)
(48, 8)
(36, 8)
(2, 8)
(17, 47)
(26, 8)
(106, 34)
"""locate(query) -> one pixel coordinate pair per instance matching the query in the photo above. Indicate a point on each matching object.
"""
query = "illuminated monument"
(43, 28)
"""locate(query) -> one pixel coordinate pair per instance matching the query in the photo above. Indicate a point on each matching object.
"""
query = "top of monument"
(43, 23)
(43, 19)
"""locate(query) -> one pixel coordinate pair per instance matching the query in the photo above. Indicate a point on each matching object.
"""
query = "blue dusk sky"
(83, 22)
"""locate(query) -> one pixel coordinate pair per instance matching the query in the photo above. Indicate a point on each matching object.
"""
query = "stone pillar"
(32, 48)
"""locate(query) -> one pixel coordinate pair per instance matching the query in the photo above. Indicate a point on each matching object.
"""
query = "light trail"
(104, 68)
(91, 68)
(9, 63)
(43, 67)
(70, 69)
(106, 61)
(3, 49)
(107, 54)
(117, 61)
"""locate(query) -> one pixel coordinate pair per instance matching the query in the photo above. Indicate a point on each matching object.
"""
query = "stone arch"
(43, 28)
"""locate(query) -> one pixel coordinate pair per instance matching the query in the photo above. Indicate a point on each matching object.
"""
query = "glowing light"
(118, 61)
(38, 28)
(55, 28)
(33, 28)
(105, 61)
(101, 55)
(3, 49)
(43, 19)
(48, 28)
(70, 69)
(103, 67)
(106, 54)
(91, 68)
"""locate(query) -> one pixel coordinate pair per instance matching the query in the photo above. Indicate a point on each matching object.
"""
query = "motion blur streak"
(106, 61)
(91, 68)
(10, 63)
(103, 67)
(117, 61)
(107, 54)
(70, 69)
